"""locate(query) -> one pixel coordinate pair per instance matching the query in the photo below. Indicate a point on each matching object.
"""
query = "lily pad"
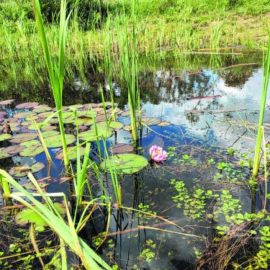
(90, 135)
(32, 148)
(31, 143)
(6, 102)
(72, 153)
(3, 114)
(27, 105)
(21, 171)
(3, 153)
(30, 216)
(23, 115)
(14, 149)
(85, 121)
(42, 108)
(4, 137)
(150, 121)
(50, 133)
(164, 124)
(55, 141)
(75, 107)
(23, 137)
(125, 163)
(121, 148)
(45, 114)
(48, 128)
(116, 125)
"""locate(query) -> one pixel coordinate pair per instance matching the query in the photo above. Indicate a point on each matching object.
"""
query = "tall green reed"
(48, 212)
(55, 68)
(266, 77)
(128, 47)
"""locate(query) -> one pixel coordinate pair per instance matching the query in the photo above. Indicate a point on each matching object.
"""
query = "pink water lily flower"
(157, 153)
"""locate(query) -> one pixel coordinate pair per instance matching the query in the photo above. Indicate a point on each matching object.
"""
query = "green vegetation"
(164, 27)
(115, 191)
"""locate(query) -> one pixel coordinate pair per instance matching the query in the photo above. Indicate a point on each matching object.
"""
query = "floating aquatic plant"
(125, 163)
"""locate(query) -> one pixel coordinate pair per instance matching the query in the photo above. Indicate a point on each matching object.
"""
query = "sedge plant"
(266, 76)
(55, 68)
(48, 212)
(129, 71)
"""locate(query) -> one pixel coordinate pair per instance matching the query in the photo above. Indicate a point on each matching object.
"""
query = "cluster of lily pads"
(20, 137)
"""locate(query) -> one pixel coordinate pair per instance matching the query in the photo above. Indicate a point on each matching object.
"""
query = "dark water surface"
(209, 111)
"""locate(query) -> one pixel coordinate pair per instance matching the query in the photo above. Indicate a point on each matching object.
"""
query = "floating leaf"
(3, 114)
(30, 216)
(116, 125)
(14, 149)
(75, 107)
(55, 141)
(85, 121)
(3, 154)
(32, 151)
(72, 153)
(23, 115)
(4, 137)
(45, 114)
(125, 163)
(121, 148)
(31, 143)
(21, 171)
(48, 128)
(90, 135)
(23, 137)
(164, 124)
(42, 108)
(150, 121)
(6, 102)
(50, 133)
(33, 148)
(27, 105)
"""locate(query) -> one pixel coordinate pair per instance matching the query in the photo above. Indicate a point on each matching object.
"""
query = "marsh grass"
(55, 68)
(48, 212)
(266, 76)
(175, 28)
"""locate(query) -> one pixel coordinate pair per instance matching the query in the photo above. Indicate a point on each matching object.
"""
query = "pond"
(206, 122)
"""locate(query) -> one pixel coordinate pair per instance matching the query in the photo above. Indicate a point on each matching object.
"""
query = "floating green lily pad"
(116, 125)
(125, 163)
(48, 128)
(31, 151)
(4, 137)
(30, 216)
(3, 153)
(90, 135)
(23, 115)
(45, 114)
(42, 108)
(23, 137)
(85, 121)
(21, 171)
(55, 141)
(31, 143)
(50, 133)
(75, 107)
(72, 153)
(33, 148)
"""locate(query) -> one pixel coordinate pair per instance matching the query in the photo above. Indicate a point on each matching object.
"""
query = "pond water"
(206, 121)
